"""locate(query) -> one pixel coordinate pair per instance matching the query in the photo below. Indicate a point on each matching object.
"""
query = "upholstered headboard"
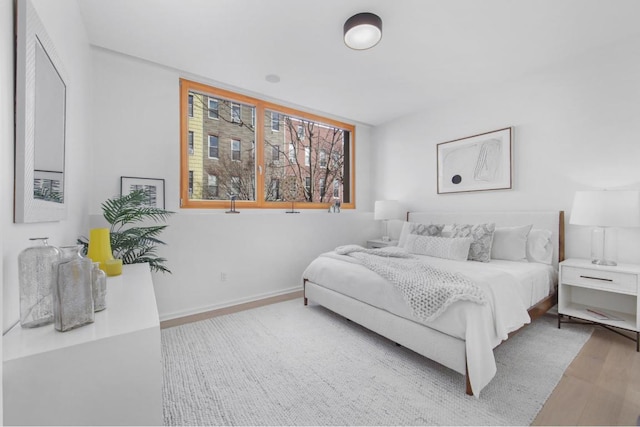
(550, 220)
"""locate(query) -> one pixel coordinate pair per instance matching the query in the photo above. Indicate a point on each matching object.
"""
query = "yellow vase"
(100, 246)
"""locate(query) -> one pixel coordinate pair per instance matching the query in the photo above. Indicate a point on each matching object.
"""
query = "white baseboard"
(227, 304)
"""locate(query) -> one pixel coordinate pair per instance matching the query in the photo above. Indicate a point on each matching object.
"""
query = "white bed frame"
(442, 348)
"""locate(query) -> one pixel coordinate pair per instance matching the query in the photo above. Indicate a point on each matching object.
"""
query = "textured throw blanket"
(427, 290)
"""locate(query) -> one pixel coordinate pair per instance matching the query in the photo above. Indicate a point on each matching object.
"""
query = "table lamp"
(386, 210)
(605, 211)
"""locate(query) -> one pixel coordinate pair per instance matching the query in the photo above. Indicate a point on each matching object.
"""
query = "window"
(307, 185)
(190, 142)
(214, 113)
(235, 149)
(235, 185)
(253, 149)
(190, 106)
(212, 186)
(292, 152)
(336, 189)
(213, 147)
(323, 158)
(235, 113)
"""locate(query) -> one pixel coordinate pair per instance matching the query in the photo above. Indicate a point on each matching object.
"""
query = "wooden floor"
(600, 387)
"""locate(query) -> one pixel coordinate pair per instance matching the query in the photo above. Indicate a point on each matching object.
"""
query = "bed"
(463, 334)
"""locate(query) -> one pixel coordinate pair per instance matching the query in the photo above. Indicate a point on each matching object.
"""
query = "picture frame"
(154, 187)
(475, 163)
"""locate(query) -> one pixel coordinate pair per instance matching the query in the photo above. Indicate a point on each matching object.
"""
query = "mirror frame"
(29, 31)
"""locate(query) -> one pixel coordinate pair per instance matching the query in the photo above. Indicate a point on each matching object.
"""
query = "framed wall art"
(154, 187)
(475, 163)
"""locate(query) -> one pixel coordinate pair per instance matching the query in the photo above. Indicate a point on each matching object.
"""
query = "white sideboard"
(105, 373)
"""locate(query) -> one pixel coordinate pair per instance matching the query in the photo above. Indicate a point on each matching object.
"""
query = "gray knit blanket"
(426, 289)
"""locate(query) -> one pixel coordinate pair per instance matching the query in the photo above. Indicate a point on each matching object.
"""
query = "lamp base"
(604, 262)
(604, 249)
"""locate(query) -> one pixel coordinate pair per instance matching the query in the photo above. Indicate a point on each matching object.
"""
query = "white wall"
(262, 252)
(576, 127)
(64, 25)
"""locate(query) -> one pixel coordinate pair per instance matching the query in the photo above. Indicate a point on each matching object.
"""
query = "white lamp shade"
(618, 208)
(387, 209)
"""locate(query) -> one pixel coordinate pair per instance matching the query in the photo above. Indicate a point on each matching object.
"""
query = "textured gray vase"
(72, 293)
(35, 276)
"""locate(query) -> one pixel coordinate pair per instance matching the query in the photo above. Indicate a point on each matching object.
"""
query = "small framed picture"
(153, 187)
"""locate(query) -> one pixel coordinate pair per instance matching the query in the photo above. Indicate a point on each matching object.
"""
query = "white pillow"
(440, 247)
(419, 229)
(510, 243)
(539, 246)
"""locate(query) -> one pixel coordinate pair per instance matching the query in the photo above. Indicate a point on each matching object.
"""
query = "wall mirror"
(41, 92)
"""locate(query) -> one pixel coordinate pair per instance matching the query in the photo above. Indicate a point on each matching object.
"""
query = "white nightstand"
(379, 243)
(587, 291)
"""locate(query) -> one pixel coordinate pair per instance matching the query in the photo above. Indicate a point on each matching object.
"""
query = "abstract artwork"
(475, 163)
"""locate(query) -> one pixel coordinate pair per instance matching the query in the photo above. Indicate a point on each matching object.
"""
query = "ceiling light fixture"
(362, 31)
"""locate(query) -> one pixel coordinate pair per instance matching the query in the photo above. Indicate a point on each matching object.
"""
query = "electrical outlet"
(223, 277)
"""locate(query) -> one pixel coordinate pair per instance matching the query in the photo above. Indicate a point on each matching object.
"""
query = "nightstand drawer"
(597, 279)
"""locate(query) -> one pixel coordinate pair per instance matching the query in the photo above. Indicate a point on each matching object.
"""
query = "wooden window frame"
(260, 107)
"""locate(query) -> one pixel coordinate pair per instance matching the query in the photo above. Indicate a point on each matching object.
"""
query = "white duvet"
(482, 327)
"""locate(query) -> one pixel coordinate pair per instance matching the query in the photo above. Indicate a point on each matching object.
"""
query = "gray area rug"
(287, 364)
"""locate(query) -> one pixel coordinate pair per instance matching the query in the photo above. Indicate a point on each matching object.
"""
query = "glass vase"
(98, 287)
(35, 278)
(72, 293)
(100, 246)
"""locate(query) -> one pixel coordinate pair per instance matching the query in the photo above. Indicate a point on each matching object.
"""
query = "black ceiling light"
(362, 31)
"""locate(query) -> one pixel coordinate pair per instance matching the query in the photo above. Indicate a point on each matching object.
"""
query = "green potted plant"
(134, 244)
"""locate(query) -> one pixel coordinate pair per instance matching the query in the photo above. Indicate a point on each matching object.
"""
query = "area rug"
(287, 364)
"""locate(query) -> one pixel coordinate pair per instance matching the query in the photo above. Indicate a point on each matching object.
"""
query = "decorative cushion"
(446, 231)
(539, 246)
(419, 229)
(482, 235)
(440, 247)
(510, 243)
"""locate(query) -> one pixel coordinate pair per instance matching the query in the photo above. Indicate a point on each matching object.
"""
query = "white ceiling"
(431, 51)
